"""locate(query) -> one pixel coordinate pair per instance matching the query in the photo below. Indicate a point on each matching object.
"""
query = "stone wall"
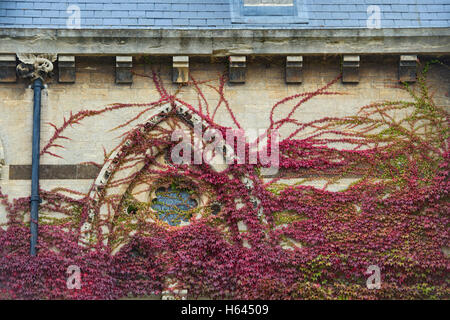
(250, 102)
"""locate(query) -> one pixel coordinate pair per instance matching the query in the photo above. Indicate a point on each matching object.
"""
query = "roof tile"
(217, 14)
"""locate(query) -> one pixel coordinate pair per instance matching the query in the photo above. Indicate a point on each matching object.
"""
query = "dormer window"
(269, 11)
(269, 7)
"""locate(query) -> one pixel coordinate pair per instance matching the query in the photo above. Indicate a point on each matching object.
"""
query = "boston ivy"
(396, 215)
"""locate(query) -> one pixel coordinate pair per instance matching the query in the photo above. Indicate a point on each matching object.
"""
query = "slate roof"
(219, 14)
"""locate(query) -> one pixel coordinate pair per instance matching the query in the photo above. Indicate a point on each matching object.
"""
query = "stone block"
(123, 69)
(407, 71)
(294, 69)
(66, 68)
(8, 68)
(237, 69)
(180, 69)
(350, 69)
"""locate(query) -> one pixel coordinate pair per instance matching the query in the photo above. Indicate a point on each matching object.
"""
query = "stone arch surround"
(100, 189)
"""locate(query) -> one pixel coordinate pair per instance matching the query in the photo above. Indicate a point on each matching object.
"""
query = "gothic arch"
(103, 188)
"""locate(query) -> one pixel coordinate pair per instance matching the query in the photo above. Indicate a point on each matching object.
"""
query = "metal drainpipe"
(35, 199)
(36, 67)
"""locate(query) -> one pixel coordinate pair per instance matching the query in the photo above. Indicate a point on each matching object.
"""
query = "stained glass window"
(173, 204)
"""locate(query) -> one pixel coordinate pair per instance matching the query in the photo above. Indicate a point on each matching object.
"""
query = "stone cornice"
(225, 42)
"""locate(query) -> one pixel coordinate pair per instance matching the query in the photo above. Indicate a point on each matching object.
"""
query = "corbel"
(8, 68)
(123, 69)
(350, 69)
(180, 69)
(237, 69)
(66, 69)
(294, 69)
(407, 71)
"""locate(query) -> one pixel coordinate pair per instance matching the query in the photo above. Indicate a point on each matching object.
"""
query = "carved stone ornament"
(35, 66)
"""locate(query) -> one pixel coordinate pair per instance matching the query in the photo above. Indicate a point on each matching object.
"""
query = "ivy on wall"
(396, 215)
